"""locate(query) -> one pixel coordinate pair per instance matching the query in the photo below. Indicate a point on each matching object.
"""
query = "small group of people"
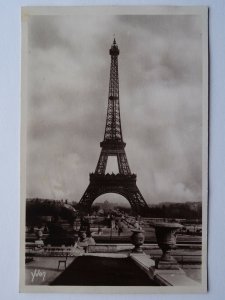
(84, 240)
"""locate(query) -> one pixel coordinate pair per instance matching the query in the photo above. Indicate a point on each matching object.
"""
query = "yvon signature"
(38, 273)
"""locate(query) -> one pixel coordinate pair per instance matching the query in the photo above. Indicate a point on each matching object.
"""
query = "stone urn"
(166, 239)
(137, 240)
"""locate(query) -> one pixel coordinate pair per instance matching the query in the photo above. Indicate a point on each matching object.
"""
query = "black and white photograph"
(114, 149)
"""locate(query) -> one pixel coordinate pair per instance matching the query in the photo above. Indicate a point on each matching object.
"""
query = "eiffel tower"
(123, 183)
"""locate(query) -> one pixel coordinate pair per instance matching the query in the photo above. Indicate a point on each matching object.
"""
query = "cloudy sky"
(160, 73)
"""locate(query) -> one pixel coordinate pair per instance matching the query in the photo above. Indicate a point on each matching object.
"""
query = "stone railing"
(163, 277)
(52, 251)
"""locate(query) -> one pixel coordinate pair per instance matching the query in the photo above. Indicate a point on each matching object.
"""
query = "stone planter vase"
(137, 240)
(166, 239)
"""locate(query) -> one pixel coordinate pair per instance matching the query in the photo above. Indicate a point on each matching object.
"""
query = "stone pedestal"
(171, 264)
(166, 239)
(137, 240)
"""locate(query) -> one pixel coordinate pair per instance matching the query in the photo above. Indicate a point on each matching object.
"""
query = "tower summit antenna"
(114, 39)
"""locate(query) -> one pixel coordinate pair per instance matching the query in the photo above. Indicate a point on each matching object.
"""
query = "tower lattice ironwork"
(124, 182)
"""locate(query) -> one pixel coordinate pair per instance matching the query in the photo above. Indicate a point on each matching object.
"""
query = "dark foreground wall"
(106, 271)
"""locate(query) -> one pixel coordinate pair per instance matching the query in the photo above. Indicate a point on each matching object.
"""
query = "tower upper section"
(113, 131)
